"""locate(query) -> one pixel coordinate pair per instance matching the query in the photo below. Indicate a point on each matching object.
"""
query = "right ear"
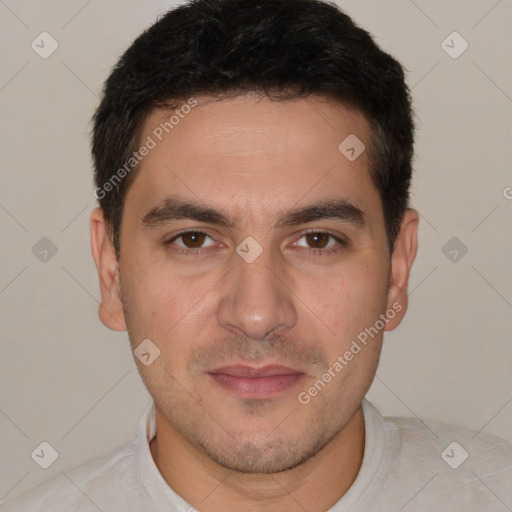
(111, 308)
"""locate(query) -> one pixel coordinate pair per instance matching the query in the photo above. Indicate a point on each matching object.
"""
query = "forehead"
(256, 125)
(264, 152)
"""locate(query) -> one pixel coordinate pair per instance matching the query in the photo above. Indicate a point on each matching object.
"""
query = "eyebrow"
(173, 208)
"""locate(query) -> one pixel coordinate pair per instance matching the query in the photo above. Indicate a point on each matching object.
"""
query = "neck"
(315, 485)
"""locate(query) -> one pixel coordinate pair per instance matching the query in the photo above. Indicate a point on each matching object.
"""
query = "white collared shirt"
(408, 465)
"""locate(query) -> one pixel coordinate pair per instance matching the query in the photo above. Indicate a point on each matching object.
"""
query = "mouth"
(256, 383)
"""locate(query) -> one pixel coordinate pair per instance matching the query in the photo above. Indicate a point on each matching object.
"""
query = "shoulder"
(89, 487)
(455, 445)
(450, 459)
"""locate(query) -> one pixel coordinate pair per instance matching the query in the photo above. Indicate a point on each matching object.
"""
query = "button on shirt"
(408, 466)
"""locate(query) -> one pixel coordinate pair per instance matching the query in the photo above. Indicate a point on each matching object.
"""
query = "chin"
(274, 457)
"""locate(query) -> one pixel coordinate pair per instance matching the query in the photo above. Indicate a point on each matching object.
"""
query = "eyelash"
(315, 252)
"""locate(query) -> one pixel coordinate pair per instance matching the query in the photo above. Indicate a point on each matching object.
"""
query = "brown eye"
(193, 239)
(318, 240)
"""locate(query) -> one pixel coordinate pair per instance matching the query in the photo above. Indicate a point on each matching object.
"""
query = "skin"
(297, 305)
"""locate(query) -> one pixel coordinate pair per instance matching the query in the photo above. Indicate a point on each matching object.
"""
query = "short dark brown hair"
(283, 49)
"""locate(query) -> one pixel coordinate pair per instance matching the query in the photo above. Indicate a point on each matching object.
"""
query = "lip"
(256, 382)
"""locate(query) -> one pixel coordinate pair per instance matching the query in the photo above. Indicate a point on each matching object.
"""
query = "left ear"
(404, 252)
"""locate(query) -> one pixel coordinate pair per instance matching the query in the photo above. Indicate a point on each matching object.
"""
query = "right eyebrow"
(173, 208)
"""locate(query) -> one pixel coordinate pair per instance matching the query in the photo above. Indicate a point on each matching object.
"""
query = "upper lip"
(256, 372)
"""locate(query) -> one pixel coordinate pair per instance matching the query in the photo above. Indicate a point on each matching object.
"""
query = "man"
(253, 163)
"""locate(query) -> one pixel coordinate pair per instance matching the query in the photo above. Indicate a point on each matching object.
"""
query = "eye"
(191, 241)
(320, 242)
(317, 242)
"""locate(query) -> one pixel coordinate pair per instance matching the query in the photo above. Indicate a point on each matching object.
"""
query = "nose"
(256, 300)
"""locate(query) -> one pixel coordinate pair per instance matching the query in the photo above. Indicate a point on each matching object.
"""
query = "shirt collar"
(158, 489)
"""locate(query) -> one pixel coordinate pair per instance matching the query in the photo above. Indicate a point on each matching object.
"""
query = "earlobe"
(402, 258)
(110, 310)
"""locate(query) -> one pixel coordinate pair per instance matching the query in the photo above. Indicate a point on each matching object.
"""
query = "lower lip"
(256, 387)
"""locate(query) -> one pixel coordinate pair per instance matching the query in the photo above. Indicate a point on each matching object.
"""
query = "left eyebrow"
(175, 209)
(339, 209)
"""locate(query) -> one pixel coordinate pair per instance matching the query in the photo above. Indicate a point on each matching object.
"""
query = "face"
(254, 257)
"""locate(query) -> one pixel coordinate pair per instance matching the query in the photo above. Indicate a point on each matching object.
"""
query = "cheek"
(166, 307)
(152, 301)
(350, 300)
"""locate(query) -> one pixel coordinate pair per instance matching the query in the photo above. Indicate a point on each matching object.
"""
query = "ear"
(111, 309)
(404, 252)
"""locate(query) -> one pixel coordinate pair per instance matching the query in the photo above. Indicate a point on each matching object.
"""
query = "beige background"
(66, 380)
